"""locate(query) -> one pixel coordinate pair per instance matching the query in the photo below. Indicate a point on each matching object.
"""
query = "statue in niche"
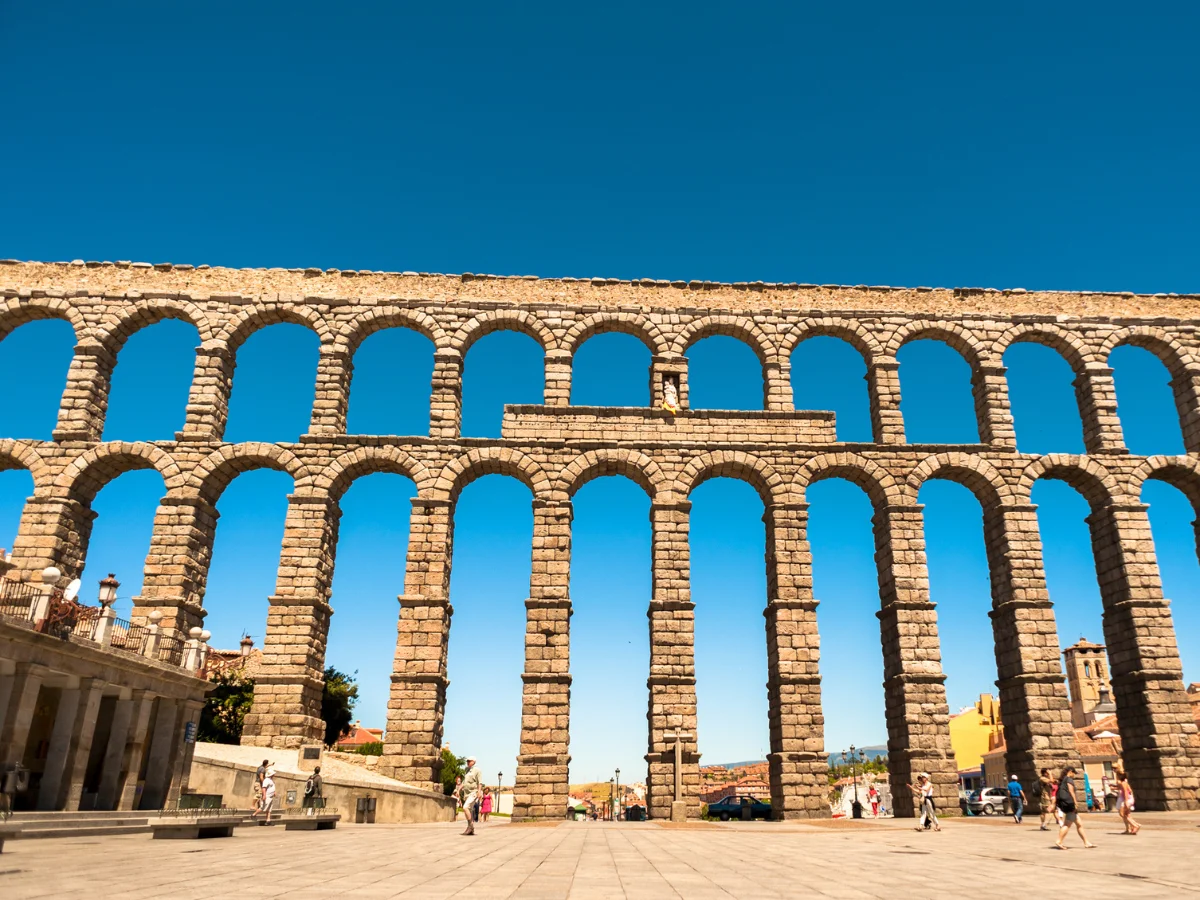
(671, 394)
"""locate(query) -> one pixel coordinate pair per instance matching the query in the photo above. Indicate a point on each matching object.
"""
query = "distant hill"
(835, 759)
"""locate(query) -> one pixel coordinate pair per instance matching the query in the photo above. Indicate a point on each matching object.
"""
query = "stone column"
(108, 794)
(1034, 706)
(135, 750)
(797, 763)
(288, 686)
(183, 750)
(542, 778)
(51, 790)
(883, 383)
(1161, 749)
(18, 714)
(1097, 398)
(54, 531)
(158, 761)
(558, 378)
(177, 565)
(1186, 387)
(208, 399)
(417, 704)
(914, 686)
(445, 399)
(989, 386)
(85, 399)
(331, 400)
(777, 385)
(660, 368)
(85, 731)
(672, 679)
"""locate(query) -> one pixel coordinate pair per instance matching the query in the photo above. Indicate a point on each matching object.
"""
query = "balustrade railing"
(170, 649)
(17, 599)
(127, 636)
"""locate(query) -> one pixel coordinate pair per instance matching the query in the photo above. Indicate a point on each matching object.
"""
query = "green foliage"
(371, 748)
(337, 704)
(226, 707)
(878, 765)
(453, 768)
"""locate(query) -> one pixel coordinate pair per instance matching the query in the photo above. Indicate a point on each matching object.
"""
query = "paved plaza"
(976, 858)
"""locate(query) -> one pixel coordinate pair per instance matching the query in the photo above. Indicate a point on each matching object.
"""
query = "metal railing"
(17, 598)
(170, 649)
(127, 636)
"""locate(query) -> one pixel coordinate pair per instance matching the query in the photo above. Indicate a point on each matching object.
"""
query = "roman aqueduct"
(555, 448)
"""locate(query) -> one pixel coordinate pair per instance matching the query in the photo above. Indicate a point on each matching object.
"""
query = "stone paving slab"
(597, 861)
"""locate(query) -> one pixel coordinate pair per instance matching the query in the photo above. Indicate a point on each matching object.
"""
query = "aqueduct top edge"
(79, 278)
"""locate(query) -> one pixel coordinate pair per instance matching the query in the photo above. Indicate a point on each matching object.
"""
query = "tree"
(453, 768)
(337, 704)
(371, 748)
(225, 707)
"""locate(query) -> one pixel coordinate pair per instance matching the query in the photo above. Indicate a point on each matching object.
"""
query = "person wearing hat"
(924, 793)
(1016, 798)
(470, 790)
(268, 792)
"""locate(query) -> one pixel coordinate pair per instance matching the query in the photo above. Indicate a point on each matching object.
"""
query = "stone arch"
(476, 463)
(119, 326)
(91, 471)
(956, 336)
(636, 466)
(17, 454)
(756, 472)
(214, 473)
(503, 320)
(14, 313)
(853, 333)
(620, 322)
(1181, 472)
(1095, 483)
(742, 328)
(335, 479)
(365, 324)
(1067, 344)
(974, 473)
(1170, 351)
(875, 480)
(254, 319)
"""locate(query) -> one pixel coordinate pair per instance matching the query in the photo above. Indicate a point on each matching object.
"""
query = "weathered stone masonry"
(556, 448)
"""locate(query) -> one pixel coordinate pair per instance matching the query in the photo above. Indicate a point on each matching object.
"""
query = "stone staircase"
(31, 825)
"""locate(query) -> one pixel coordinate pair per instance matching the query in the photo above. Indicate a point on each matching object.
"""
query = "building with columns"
(554, 448)
(96, 713)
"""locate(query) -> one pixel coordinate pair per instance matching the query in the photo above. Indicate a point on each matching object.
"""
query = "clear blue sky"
(1025, 145)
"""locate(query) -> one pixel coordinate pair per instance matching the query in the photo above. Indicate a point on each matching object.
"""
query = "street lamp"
(855, 807)
(612, 796)
(108, 590)
(620, 799)
(499, 780)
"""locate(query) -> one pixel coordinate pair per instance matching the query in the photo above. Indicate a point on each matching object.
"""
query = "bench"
(319, 822)
(185, 827)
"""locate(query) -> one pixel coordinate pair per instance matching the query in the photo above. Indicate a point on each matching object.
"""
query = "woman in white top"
(268, 792)
(924, 792)
(1125, 804)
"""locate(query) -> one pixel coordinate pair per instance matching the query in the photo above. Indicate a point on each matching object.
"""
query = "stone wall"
(556, 448)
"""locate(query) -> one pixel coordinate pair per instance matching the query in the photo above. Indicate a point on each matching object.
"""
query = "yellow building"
(974, 731)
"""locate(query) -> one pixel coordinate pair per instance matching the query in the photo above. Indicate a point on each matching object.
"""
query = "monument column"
(85, 399)
(989, 385)
(445, 399)
(1096, 395)
(918, 718)
(883, 383)
(1161, 748)
(672, 679)
(417, 704)
(798, 764)
(208, 398)
(542, 767)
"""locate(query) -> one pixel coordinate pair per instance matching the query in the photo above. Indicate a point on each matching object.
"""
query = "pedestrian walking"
(924, 793)
(873, 796)
(470, 790)
(1125, 804)
(259, 774)
(1046, 788)
(485, 811)
(1067, 801)
(1016, 798)
(314, 795)
(268, 792)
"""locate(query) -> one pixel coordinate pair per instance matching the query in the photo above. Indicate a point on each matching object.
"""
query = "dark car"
(731, 808)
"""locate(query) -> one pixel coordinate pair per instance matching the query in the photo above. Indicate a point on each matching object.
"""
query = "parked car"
(731, 808)
(989, 801)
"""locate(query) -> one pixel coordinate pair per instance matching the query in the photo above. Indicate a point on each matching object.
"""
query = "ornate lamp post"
(499, 781)
(619, 800)
(856, 807)
(108, 590)
(612, 796)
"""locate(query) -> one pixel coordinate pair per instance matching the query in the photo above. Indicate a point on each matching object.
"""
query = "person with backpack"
(314, 797)
(1067, 801)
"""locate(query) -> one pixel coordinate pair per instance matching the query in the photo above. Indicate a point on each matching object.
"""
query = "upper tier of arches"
(101, 333)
